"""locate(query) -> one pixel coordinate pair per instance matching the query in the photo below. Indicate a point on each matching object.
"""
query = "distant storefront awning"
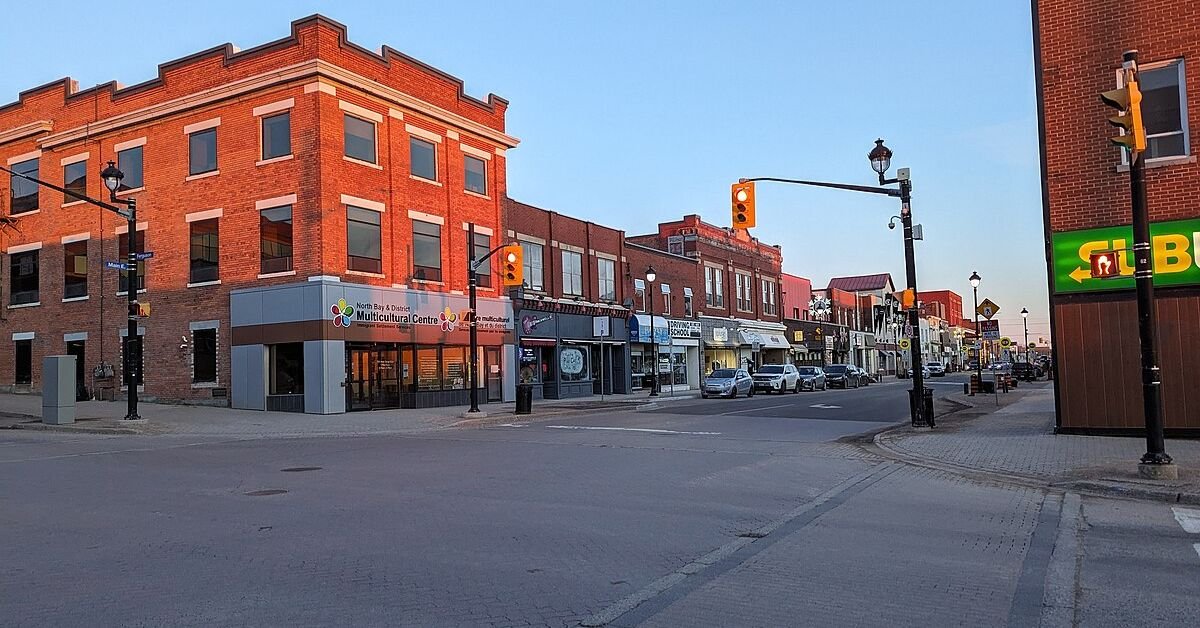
(639, 329)
(764, 340)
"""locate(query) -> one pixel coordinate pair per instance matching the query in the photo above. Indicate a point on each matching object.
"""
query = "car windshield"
(723, 374)
(771, 370)
(935, 364)
(808, 370)
(836, 369)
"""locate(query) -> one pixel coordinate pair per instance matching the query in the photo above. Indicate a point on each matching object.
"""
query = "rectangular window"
(714, 287)
(606, 279)
(202, 152)
(204, 356)
(129, 162)
(23, 278)
(286, 369)
(1164, 110)
(275, 239)
(75, 180)
(204, 247)
(745, 293)
(483, 244)
(639, 290)
(23, 362)
(364, 240)
(135, 351)
(75, 270)
(454, 368)
(666, 295)
(572, 273)
(429, 369)
(423, 156)
(24, 192)
(427, 251)
(687, 305)
(359, 138)
(531, 253)
(768, 297)
(277, 135)
(476, 178)
(123, 255)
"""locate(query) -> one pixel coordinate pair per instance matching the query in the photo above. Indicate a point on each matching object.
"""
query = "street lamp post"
(473, 325)
(975, 279)
(112, 176)
(1025, 319)
(650, 275)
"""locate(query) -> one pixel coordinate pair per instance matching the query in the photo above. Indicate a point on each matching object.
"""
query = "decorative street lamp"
(1025, 319)
(112, 177)
(975, 279)
(650, 275)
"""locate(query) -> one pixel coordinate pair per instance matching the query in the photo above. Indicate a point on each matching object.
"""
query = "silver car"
(727, 383)
(811, 378)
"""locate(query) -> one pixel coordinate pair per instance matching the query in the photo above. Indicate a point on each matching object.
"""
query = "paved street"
(699, 513)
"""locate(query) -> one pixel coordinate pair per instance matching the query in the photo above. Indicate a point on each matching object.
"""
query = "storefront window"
(572, 363)
(549, 361)
(637, 366)
(407, 372)
(679, 369)
(429, 372)
(287, 369)
(530, 373)
(454, 367)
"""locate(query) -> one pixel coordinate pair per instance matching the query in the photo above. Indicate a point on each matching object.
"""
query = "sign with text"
(600, 326)
(990, 329)
(1173, 247)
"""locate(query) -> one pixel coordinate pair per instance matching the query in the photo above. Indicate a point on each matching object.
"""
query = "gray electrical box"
(58, 389)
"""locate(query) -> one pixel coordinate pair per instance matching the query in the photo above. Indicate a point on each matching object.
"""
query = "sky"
(631, 113)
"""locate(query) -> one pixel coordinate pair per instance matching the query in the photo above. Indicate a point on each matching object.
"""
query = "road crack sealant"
(658, 594)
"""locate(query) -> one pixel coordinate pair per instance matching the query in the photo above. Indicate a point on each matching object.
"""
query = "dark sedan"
(841, 376)
(812, 378)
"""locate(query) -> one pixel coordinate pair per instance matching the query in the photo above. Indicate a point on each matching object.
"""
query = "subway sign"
(1175, 248)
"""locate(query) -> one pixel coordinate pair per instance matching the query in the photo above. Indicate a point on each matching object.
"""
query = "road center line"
(629, 429)
(1188, 518)
(785, 405)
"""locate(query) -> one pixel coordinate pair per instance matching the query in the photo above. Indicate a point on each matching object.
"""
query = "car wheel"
(704, 395)
(750, 393)
(796, 390)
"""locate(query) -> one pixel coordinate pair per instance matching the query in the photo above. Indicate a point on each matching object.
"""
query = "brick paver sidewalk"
(1018, 439)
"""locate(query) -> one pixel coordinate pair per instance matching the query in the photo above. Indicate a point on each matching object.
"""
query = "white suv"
(936, 369)
(777, 378)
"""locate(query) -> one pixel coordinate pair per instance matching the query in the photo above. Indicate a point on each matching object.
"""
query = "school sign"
(1175, 247)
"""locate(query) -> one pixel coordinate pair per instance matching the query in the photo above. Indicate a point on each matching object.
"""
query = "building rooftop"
(861, 283)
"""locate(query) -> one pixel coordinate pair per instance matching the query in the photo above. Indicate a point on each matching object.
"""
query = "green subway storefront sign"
(1176, 256)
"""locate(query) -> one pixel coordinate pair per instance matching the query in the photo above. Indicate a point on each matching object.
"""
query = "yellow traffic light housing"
(1128, 100)
(512, 267)
(742, 200)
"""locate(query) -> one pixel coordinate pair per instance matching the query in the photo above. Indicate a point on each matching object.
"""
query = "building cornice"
(25, 130)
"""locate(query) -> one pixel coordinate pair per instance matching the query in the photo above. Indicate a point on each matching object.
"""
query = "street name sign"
(1175, 256)
(116, 265)
(990, 329)
(987, 309)
(144, 255)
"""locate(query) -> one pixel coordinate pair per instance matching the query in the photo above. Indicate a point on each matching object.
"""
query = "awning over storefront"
(764, 340)
(639, 329)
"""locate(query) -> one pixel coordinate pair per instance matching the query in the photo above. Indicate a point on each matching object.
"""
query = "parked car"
(841, 376)
(864, 378)
(936, 369)
(1025, 371)
(811, 378)
(728, 383)
(778, 378)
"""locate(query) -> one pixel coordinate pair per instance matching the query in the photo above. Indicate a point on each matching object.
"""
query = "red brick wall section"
(317, 174)
(950, 301)
(674, 270)
(523, 221)
(797, 292)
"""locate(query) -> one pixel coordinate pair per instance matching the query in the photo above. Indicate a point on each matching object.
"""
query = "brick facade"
(318, 77)
(949, 305)
(797, 293)
(1078, 49)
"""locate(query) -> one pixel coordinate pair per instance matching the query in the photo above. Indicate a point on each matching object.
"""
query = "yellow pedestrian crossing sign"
(987, 309)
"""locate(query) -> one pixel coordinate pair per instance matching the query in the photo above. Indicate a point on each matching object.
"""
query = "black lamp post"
(1025, 319)
(473, 326)
(650, 275)
(112, 180)
(975, 279)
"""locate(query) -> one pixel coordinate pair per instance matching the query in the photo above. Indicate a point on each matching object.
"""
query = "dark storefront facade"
(817, 343)
(570, 350)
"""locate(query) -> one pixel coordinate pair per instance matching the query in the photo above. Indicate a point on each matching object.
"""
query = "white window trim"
(207, 214)
(528, 238)
(202, 175)
(23, 335)
(74, 159)
(1165, 160)
(286, 273)
(141, 226)
(75, 337)
(33, 154)
(24, 305)
(128, 144)
(272, 160)
(77, 237)
(422, 216)
(475, 152)
(363, 203)
(275, 107)
(479, 229)
(24, 248)
(360, 112)
(203, 125)
(423, 134)
(363, 163)
(201, 284)
(278, 201)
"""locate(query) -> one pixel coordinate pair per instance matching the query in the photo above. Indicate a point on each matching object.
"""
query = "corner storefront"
(570, 349)
(325, 347)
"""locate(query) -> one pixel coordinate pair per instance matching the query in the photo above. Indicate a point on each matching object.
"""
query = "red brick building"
(796, 293)
(949, 305)
(273, 184)
(575, 272)
(672, 299)
(740, 299)
(1085, 190)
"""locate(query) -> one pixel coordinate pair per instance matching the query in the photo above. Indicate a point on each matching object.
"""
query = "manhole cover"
(265, 492)
(299, 469)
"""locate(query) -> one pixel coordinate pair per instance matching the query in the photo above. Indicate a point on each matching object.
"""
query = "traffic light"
(1128, 100)
(1104, 265)
(908, 298)
(511, 265)
(743, 205)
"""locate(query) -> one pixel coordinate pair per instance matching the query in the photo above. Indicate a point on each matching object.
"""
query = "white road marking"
(784, 405)
(1188, 518)
(512, 425)
(628, 429)
(1197, 548)
(824, 406)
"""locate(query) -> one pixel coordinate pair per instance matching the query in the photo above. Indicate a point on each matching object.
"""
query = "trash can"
(926, 404)
(524, 398)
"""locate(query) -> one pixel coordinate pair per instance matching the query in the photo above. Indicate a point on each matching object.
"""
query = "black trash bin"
(926, 404)
(524, 398)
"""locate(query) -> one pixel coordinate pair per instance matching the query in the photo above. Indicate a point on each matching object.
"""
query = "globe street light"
(1025, 319)
(975, 279)
(650, 276)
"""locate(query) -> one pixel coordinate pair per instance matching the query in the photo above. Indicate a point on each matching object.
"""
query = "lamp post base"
(1158, 471)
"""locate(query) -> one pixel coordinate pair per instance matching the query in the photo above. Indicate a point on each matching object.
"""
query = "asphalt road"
(700, 513)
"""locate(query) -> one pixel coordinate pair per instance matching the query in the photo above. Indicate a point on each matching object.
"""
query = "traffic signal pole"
(914, 314)
(473, 323)
(131, 337)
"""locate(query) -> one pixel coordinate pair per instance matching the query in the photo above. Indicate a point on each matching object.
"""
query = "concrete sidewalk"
(105, 417)
(1015, 439)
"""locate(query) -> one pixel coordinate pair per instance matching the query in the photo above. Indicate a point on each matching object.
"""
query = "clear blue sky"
(635, 112)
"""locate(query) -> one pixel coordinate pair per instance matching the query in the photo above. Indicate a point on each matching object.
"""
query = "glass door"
(358, 378)
(385, 389)
(492, 372)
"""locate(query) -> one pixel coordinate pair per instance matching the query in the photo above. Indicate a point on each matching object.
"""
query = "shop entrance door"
(491, 370)
(75, 348)
(372, 377)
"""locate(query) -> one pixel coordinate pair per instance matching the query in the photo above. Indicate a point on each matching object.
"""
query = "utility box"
(58, 389)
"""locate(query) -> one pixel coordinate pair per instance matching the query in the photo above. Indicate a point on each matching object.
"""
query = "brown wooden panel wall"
(1099, 364)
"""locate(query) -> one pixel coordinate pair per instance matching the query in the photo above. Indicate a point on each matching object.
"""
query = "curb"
(70, 429)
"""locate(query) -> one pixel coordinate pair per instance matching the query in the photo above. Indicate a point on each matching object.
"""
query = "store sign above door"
(1175, 246)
